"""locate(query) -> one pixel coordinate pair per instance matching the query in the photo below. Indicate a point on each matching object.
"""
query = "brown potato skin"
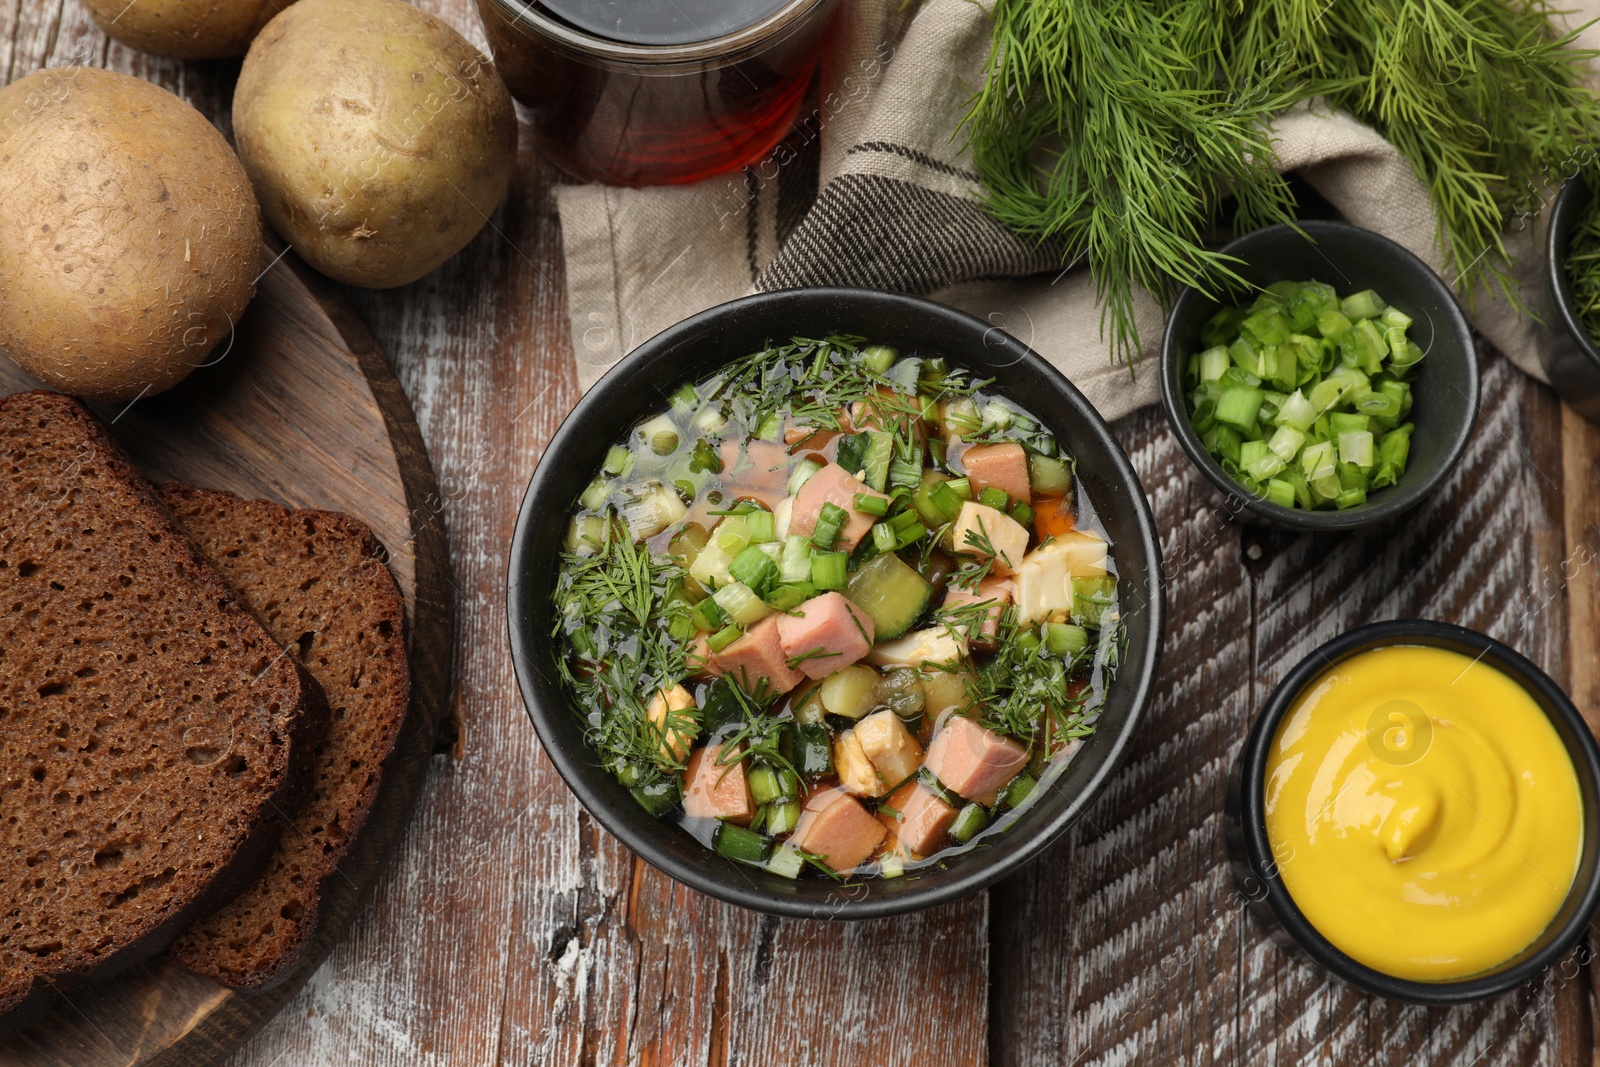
(378, 139)
(185, 29)
(130, 239)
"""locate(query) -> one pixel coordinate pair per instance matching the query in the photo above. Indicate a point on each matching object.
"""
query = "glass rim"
(728, 45)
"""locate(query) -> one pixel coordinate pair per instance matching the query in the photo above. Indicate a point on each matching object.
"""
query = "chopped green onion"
(763, 782)
(787, 861)
(741, 603)
(1363, 305)
(883, 537)
(658, 798)
(830, 520)
(762, 526)
(1048, 475)
(1356, 448)
(871, 505)
(969, 821)
(1023, 514)
(795, 563)
(594, 497)
(783, 817)
(791, 595)
(961, 487)
(1020, 789)
(755, 569)
(1280, 492)
(829, 570)
(684, 399)
(1238, 406)
(879, 358)
(619, 460)
(802, 474)
(724, 637)
(992, 497)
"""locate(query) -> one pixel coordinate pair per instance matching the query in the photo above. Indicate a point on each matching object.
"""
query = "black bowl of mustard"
(1260, 878)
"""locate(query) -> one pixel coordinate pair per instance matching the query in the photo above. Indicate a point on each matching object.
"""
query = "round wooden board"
(303, 409)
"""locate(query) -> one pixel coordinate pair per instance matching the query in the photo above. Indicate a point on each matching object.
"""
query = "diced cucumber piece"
(1091, 598)
(738, 843)
(813, 746)
(658, 798)
(893, 595)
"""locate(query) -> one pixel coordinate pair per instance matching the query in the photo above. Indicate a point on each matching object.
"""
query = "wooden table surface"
(512, 929)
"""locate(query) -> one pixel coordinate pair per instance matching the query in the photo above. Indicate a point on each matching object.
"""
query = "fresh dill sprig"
(1038, 698)
(613, 610)
(1484, 98)
(1102, 125)
(1115, 128)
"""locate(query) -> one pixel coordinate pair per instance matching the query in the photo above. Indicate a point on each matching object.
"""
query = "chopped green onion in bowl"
(1302, 397)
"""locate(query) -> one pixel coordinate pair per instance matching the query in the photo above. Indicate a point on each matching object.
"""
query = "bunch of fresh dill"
(1120, 127)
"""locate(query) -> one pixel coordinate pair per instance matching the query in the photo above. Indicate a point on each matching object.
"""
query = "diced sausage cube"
(699, 661)
(716, 792)
(993, 591)
(1003, 466)
(919, 816)
(973, 761)
(676, 729)
(836, 828)
(889, 745)
(756, 660)
(755, 470)
(833, 485)
(979, 528)
(824, 633)
(857, 774)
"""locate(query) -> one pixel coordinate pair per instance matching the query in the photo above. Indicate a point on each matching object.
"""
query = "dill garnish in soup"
(836, 606)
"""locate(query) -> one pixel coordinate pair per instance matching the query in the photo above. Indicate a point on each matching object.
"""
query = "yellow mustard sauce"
(1424, 812)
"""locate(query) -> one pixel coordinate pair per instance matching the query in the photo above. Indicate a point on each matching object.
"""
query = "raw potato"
(185, 29)
(129, 238)
(378, 139)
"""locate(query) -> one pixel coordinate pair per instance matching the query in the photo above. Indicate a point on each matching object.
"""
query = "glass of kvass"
(656, 92)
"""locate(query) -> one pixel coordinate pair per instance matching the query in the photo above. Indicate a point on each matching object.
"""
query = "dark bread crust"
(318, 583)
(150, 729)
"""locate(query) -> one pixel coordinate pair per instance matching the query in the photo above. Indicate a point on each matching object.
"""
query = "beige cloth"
(893, 206)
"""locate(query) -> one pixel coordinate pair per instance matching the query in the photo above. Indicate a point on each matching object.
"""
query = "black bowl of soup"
(835, 603)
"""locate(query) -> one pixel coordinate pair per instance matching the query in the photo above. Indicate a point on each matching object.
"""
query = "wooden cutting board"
(300, 407)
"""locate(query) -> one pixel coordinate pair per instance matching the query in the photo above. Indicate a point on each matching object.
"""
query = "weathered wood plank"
(1128, 942)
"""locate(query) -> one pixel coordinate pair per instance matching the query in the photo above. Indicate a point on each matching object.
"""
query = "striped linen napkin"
(875, 189)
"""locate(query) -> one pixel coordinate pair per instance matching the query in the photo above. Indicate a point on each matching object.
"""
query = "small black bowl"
(637, 388)
(1570, 358)
(1256, 872)
(1350, 259)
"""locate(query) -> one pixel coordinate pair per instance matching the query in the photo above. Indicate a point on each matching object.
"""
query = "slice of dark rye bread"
(318, 583)
(150, 729)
